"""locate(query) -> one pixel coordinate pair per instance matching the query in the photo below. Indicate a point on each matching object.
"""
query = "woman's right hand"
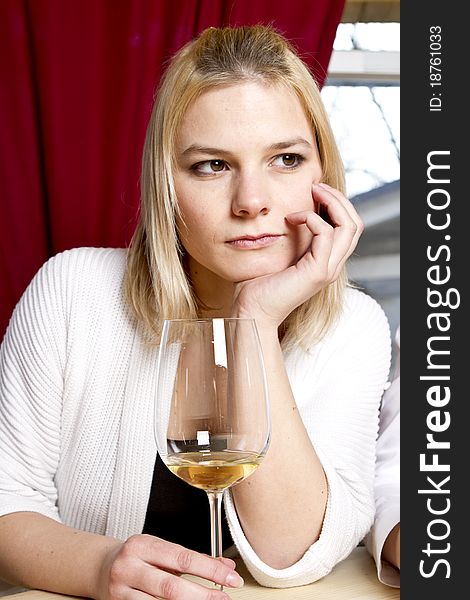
(146, 566)
(270, 299)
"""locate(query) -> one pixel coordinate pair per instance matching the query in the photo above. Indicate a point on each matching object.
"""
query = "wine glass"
(212, 422)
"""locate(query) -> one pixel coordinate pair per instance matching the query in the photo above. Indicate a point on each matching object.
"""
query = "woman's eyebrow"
(194, 148)
(298, 141)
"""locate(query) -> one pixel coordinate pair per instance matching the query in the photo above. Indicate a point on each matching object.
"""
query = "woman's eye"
(291, 161)
(209, 167)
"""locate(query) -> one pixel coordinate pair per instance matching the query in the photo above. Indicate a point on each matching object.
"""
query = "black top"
(179, 512)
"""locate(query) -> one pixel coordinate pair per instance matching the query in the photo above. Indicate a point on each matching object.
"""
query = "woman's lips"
(249, 242)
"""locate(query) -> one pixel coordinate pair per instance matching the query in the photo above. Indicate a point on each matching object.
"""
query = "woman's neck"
(214, 294)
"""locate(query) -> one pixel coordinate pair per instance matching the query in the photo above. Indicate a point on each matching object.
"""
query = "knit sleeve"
(387, 478)
(338, 388)
(32, 361)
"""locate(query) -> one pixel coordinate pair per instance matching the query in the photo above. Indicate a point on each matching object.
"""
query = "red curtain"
(77, 79)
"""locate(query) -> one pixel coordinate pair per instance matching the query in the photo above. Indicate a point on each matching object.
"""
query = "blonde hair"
(156, 283)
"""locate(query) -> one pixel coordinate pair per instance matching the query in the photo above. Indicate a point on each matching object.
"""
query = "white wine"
(213, 471)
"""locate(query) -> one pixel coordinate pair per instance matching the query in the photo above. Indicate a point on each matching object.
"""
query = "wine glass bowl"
(212, 422)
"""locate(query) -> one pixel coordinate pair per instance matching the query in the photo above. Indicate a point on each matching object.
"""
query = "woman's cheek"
(301, 197)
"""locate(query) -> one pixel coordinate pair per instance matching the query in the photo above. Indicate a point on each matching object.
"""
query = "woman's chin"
(253, 272)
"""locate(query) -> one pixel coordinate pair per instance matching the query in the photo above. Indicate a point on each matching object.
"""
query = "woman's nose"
(250, 197)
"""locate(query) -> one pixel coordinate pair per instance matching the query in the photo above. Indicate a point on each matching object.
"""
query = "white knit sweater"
(76, 410)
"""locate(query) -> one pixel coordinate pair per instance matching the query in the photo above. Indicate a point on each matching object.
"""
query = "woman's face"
(246, 157)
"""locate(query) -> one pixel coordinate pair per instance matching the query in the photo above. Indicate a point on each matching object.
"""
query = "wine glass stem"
(215, 503)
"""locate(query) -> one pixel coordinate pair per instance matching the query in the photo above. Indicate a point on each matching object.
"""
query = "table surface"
(353, 579)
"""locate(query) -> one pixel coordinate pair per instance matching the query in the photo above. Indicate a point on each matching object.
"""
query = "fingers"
(176, 558)
(335, 244)
(316, 260)
(357, 225)
(169, 586)
(347, 227)
(227, 561)
(344, 201)
(149, 566)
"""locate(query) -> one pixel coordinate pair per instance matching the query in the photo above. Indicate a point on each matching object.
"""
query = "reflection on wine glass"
(212, 422)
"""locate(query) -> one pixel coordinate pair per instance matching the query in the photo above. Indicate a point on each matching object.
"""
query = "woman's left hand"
(271, 298)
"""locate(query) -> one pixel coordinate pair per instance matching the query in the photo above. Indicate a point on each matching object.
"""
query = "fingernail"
(234, 580)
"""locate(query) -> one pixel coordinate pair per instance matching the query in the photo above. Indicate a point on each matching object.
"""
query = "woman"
(242, 215)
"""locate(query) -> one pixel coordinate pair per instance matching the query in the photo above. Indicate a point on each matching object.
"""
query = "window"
(362, 96)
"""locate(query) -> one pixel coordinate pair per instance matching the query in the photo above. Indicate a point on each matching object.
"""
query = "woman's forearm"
(282, 505)
(37, 552)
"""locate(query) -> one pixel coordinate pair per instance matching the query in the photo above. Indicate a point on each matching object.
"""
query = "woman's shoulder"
(362, 321)
(90, 274)
(360, 308)
(72, 269)
(87, 273)
(78, 291)
(90, 259)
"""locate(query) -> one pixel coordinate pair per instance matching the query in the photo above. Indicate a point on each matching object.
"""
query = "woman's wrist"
(109, 547)
(267, 328)
(263, 322)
